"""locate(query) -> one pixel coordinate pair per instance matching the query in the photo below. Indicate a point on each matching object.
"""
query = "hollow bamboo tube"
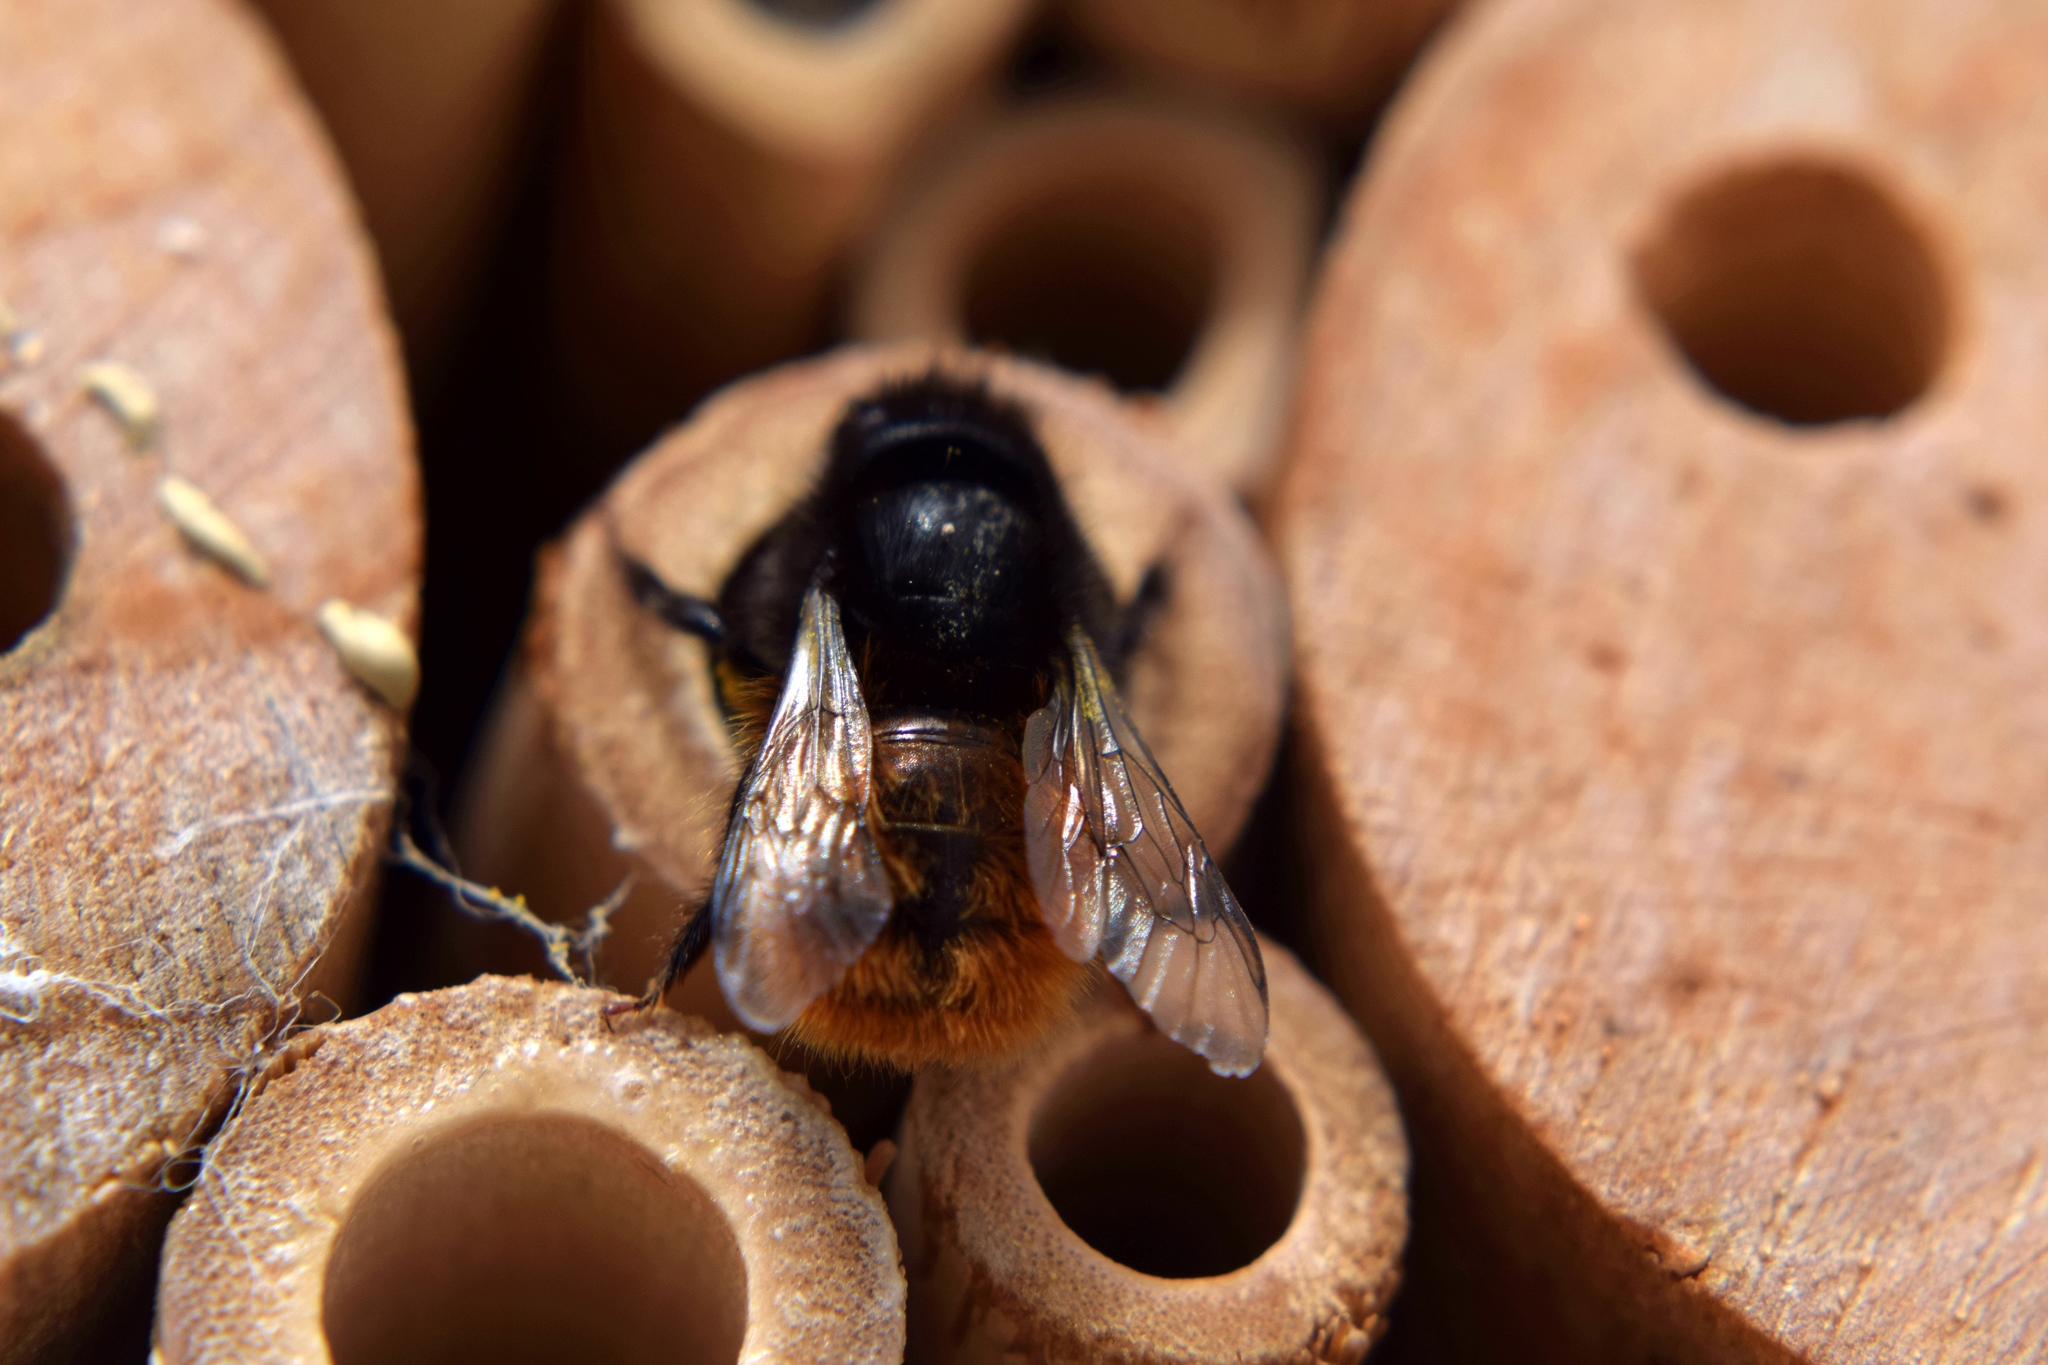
(424, 100)
(491, 1171)
(728, 152)
(609, 755)
(1163, 244)
(192, 788)
(1335, 59)
(1665, 487)
(1110, 1199)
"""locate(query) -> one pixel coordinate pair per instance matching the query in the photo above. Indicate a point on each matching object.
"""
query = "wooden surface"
(425, 101)
(492, 1171)
(1163, 244)
(1677, 771)
(618, 759)
(722, 163)
(1107, 1198)
(191, 788)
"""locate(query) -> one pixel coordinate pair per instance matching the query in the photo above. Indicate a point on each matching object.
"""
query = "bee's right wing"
(801, 891)
(1120, 871)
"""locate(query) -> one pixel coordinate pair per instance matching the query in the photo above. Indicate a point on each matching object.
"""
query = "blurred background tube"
(723, 156)
(1160, 244)
(426, 101)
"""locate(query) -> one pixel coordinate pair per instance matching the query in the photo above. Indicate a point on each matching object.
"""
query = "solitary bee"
(946, 814)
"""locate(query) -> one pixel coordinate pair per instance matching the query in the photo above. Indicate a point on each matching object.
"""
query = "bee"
(945, 814)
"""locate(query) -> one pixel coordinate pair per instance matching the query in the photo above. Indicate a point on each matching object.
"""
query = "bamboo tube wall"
(493, 1170)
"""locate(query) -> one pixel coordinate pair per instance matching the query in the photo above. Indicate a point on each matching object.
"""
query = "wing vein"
(1122, 873)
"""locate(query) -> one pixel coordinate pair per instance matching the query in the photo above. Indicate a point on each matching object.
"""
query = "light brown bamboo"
(1164, 244)
(493, 1172)
(426, 101)
(609, 756)
(192, 788)
(1334, 59)
(1109, 1198)
(1667, 496)
(727, 154)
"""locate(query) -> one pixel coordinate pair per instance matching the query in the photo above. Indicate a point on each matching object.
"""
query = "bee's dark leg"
(689, 946)
(1138, 616)
(680, 610)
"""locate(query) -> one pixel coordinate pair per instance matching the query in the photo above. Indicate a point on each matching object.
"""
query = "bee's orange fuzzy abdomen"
(1005, 994)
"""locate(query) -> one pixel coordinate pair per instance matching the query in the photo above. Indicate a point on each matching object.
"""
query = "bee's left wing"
(1120, 871)
(801, 891)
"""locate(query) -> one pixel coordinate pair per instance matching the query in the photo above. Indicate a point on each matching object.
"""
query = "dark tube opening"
(523, 1241)
(1799, 290)
(818, 14)
(1113, 278)
(1165, 1167)
(35, 535)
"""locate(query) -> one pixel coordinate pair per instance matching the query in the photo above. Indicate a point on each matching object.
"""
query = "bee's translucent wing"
(800, 891)
(1121, 872)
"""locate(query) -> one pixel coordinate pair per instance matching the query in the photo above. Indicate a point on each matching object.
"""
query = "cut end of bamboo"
(1161, 244)
(492, 1171)
(1111, 1197)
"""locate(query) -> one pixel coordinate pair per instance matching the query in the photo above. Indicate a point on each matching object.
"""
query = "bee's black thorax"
(942, 531)
(944, 586)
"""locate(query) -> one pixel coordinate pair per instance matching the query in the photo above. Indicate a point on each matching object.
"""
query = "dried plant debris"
(558, 941)
(210, 530)
(373, 648)
(127, 395)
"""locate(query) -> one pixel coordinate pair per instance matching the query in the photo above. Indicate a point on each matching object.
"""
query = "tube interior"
(817, 14)
(538, 1239)
(35, 535)
(1165, 1167)
(1112, 277)
(1800, 290)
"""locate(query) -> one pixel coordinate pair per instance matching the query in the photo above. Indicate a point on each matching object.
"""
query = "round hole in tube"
(1114, 279)
(35, 534)
(1165, 1167)
(536, 1240)
(1800, 290)
(824, 14)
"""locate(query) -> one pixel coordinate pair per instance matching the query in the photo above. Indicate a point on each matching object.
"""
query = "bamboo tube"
(425, 100)
(491, 1172)
(610, 755)
(1165, 245)
(1110, 1199)
(1665, 485)
(1335, 59)
(193, 789)
(728, 152)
